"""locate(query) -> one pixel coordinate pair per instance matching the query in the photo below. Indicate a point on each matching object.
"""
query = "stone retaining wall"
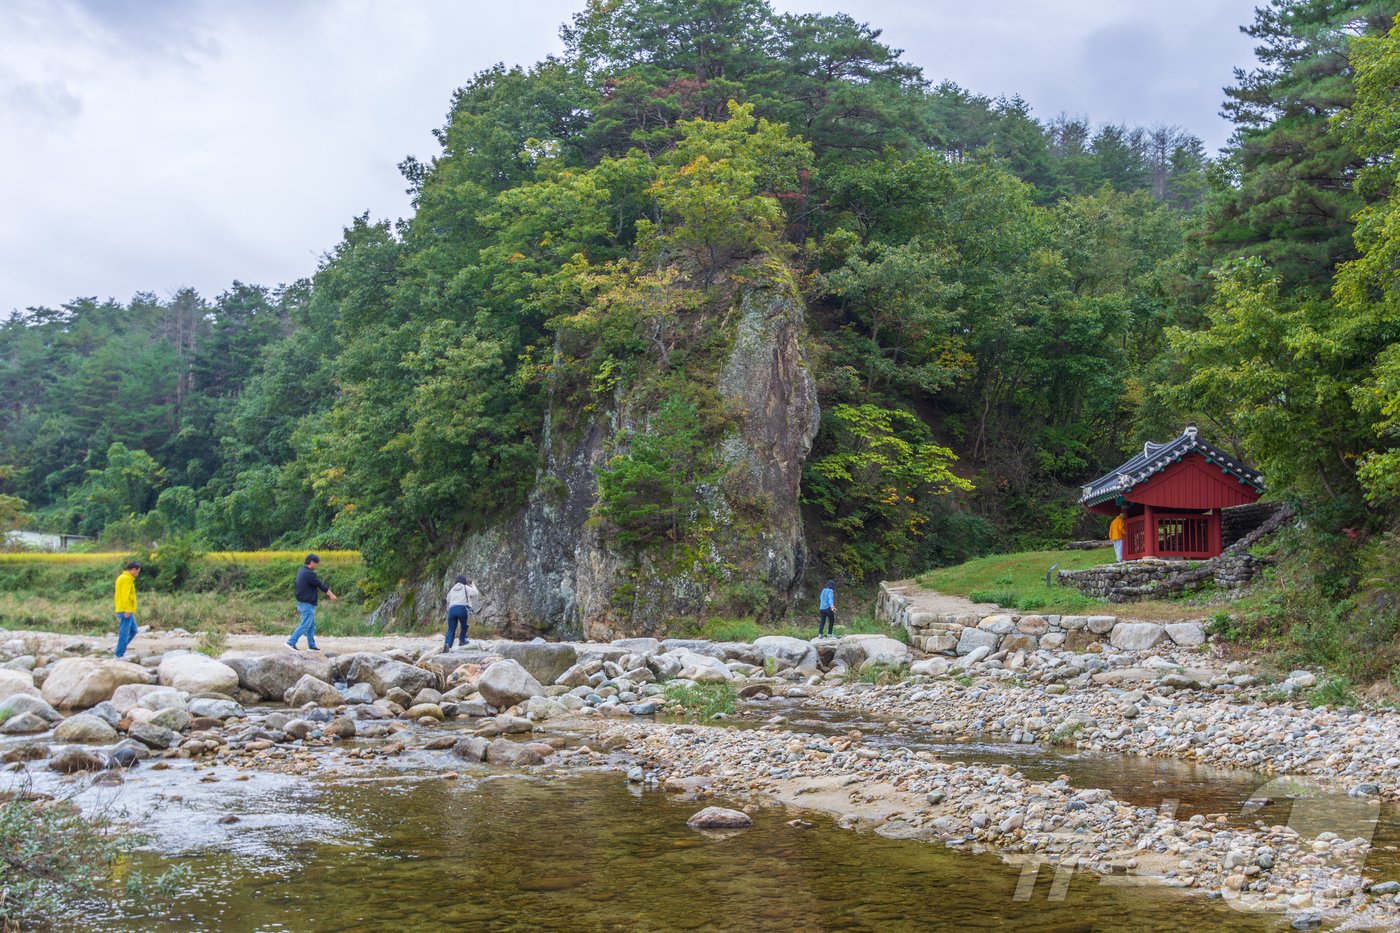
(1242, 520)
(1154, 578)
(967, 633)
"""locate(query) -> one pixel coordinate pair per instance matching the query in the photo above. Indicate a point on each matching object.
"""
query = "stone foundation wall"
(1243, 520)
(965, 634)
(1154, 578)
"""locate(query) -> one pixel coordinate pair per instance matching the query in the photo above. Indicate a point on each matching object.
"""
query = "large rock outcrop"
(548, 570)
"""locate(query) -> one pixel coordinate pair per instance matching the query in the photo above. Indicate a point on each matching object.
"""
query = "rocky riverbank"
(541, 705)
(914, 795)
(1181, 705)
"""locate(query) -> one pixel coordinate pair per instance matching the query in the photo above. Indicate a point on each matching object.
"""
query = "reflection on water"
(1134, 779)
(411, 853)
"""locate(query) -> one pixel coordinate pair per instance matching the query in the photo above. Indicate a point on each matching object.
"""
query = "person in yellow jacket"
(1117, 531)
(124, 602)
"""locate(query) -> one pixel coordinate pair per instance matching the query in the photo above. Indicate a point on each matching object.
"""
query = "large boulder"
(695, 646)
(638, 645)
(507, 683)
(24, 724)
(106, 712)
(360, 694)
(12, 682)
(858, 651)
(84, 728)
(195, 673)
(73, 760)
(703, 668)
(931, 667)
(1136, 636)
(592, 651)
(445, 662)
(210, 708)
(162, 698)
(78, 683)
(311, 690)
(24, 703)
(544, 660)
(719, 818)
(786, 652)
(972, 639)
(472, 748)
(128, 696)
(172, 718)
(152, 735)
(739, 651)
(1186, 634)
(271, 675)
(665, 666)
(579, 674)
(385, 674)
(515, 754)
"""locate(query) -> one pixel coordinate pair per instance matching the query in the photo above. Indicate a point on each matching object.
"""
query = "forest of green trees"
(1000, 306)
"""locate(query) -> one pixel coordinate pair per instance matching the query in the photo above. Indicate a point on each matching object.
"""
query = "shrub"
(1331, 690)
(730, 630)
(866, 624)
(749, 598)
(211, 642)
(168, 567)
(1065, 734)
(1222, 625)
(55, 862)
(880, 674)
(704, 701)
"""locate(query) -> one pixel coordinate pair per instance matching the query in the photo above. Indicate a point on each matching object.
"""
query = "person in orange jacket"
(124, 603)
(1117, 531)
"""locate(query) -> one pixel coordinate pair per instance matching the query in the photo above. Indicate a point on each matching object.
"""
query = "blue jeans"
(307, 626)
(456, 615)
(126, 631)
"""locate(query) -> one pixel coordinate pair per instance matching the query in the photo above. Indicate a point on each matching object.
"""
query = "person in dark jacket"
(309, 588)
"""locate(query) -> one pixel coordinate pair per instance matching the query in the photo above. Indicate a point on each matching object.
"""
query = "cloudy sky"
(147, 145)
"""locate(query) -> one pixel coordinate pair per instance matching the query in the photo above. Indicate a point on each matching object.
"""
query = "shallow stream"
(392, 845)
(582, 852)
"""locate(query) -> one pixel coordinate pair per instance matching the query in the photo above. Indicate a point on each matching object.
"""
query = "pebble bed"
(1256, 867)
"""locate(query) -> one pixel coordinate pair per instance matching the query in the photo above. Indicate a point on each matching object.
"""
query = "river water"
(392, 845)
(413, 853)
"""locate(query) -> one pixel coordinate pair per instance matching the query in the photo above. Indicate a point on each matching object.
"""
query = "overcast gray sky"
(147, 145)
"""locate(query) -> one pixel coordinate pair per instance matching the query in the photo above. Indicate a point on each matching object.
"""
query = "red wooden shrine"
(1173, 494)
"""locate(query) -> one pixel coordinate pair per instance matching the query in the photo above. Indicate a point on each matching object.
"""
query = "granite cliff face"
(548, 570)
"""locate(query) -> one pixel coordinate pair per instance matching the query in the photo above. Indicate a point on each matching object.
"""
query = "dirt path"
(926, 600)
(1157, 610)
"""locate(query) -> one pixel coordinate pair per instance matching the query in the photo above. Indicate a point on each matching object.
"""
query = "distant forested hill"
(735, 299)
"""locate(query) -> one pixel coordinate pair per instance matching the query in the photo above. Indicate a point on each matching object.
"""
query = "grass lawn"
(722, 629)
(1017, 581)
(193, 612)
(233, 593)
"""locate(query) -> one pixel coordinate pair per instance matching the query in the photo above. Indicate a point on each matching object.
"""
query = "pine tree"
(1288, 195)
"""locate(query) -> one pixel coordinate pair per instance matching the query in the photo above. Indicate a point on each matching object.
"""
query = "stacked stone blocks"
(965, 632)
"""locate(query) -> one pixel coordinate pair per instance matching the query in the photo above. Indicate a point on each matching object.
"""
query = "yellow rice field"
(233, 557)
